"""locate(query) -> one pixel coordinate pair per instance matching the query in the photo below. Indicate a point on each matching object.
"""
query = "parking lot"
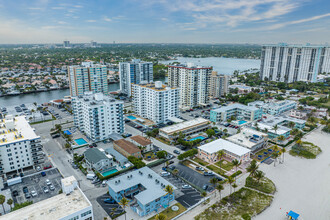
(190, 196)
(36, 183)
(111, 209)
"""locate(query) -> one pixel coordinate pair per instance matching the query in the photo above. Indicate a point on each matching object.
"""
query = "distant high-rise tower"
(135, 72)
(93, 44)
(291, 63)
(66, 44)
(87, 77)
(219, 85)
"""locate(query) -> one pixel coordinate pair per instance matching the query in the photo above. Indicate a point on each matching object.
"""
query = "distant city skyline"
(172, 21)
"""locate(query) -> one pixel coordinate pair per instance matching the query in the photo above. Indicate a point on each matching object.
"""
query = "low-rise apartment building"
(274, 108)
(145, 143)
(239, 111)
(188, 128)
(144, 188)
(127, 148)
(249, 138)
(98, 160)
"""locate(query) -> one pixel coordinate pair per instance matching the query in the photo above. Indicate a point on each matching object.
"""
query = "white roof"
(244, 137)
(56, 207)
(280, 131)
(153, 189)
(222, 144)
(175, 119)
(22, 127)
(184, 125)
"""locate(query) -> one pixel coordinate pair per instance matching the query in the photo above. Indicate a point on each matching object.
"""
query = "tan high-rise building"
(194, 84)
(219, 85)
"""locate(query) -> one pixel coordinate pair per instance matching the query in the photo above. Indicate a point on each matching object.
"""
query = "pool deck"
(147, 122)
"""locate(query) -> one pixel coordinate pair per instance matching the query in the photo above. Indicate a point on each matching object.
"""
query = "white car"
(45, 189)
(48, 182)
(51, 187)
(186, 186)
(38, 168)
(34, 193)
(165, 173)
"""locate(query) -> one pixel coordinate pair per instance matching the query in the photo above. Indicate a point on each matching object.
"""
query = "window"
(86, 213)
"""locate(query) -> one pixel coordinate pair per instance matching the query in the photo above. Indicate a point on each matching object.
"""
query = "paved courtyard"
(302, 185)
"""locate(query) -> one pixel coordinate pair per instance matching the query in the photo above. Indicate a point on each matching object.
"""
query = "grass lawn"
(200, 161)
(262, 153)
(242, 204)
(225, 165)
(265, 185)
(170, 213)
(216, 169)
(151, 154)
(307, 150)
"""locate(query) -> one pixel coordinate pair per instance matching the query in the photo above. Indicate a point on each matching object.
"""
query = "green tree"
(281, 138)
(2, 201)
(219, 188)
(204, 194)
(220, 155)
(252, 168)
(160, 216)
(214, 181)
(175, 172)
(291, 124)
(230, 181)
(169, 190)
(10, 203)
(259, 175)
(235, 163)
(283, 151)
(275, 128)
(124, 203)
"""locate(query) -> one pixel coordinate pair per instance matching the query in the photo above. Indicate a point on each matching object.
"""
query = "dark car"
(218, 178)
(205, 186)
(172, 167)
(94, 145)
(25, 189)
(109, 200)
(43, 173)
(176, 152)
(15, 193)
(171, 161)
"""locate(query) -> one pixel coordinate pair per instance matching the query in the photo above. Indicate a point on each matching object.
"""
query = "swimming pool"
(197, 138)
(241, 122)
(109, 172)
(80, 141)
(131, 117)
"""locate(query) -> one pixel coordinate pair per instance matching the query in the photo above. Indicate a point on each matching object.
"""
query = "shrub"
(161, 154)
(138, 163)
(246, 216)
(188, 153)
(21, 205)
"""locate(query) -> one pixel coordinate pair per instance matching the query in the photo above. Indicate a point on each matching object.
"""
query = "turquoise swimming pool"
(80, 141)
(131, 117)
(241, 122)
(109, 172)
(197, 138)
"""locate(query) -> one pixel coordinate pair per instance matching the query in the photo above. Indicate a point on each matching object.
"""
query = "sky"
(165, 21)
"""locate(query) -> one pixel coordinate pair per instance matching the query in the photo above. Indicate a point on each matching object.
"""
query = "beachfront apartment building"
(290, 63)
(135, 72)
(249, 138)
(194, 83)
(144, 188)
(20, 147)
(187, 128)
(155, 101)
(209, 152)
(219, 85)
(274, 108)
(239, 111)
(98, 116)
(87, 77)
(72, 204)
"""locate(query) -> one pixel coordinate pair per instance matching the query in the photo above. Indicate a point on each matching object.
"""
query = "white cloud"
(105, 18)
(91, 21)
(35, 8)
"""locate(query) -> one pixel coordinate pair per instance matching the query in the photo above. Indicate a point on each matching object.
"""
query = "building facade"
(155, 101)
(19, 145)
(144, 188)
(145, 143)
(127, 148)
(135, 72)
(87, 77)
(290, 63)
(98, 160)
(219, 85)
(194, 83)
(98, 115)
(239, 111)
(274, 108)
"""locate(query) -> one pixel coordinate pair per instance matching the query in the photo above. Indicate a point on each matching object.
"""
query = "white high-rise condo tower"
(290, 63)
(194, 84)
(135, 72)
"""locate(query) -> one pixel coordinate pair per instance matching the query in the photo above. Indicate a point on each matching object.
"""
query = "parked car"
(48, 182)
(109, 200)
(25, 189)
(186, 186)
(172, 167)
(165, 173)
(205, 186)
(104, 183)
(208, 173)
(45, 189)
(34, 193)
(38, 168)
(27, 195)
(176, 152)
(47, 167)
(15, 193)
(171, 162)
(51, 187)
(218, 178)
(200, 168)
(43, 173)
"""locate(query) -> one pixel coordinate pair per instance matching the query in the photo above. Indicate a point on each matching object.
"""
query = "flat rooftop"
(154, 87)
(153, 189)
(22, 130)
(247, 138)
(222, 144)
(234, 106)
(184, 125)
(56, 207)
(280, 131)
(274, 120)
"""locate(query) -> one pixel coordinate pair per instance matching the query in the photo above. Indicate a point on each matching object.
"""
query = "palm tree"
(235, 163)
(259, 175)
(220, 188)
(10, 202)
(230, 181)
(275, 155)
(275, 129)
(204, 194)
(160, 216)
(220, 154)
(283, 151)
(175, 172)
(252, 167)
(300, 108)
(124, 202)
(281, 138)
(234, 186)
(2, 201)
(291, 124)
(225, 130)
(299, 142)
(214, 181)
(169, 189)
